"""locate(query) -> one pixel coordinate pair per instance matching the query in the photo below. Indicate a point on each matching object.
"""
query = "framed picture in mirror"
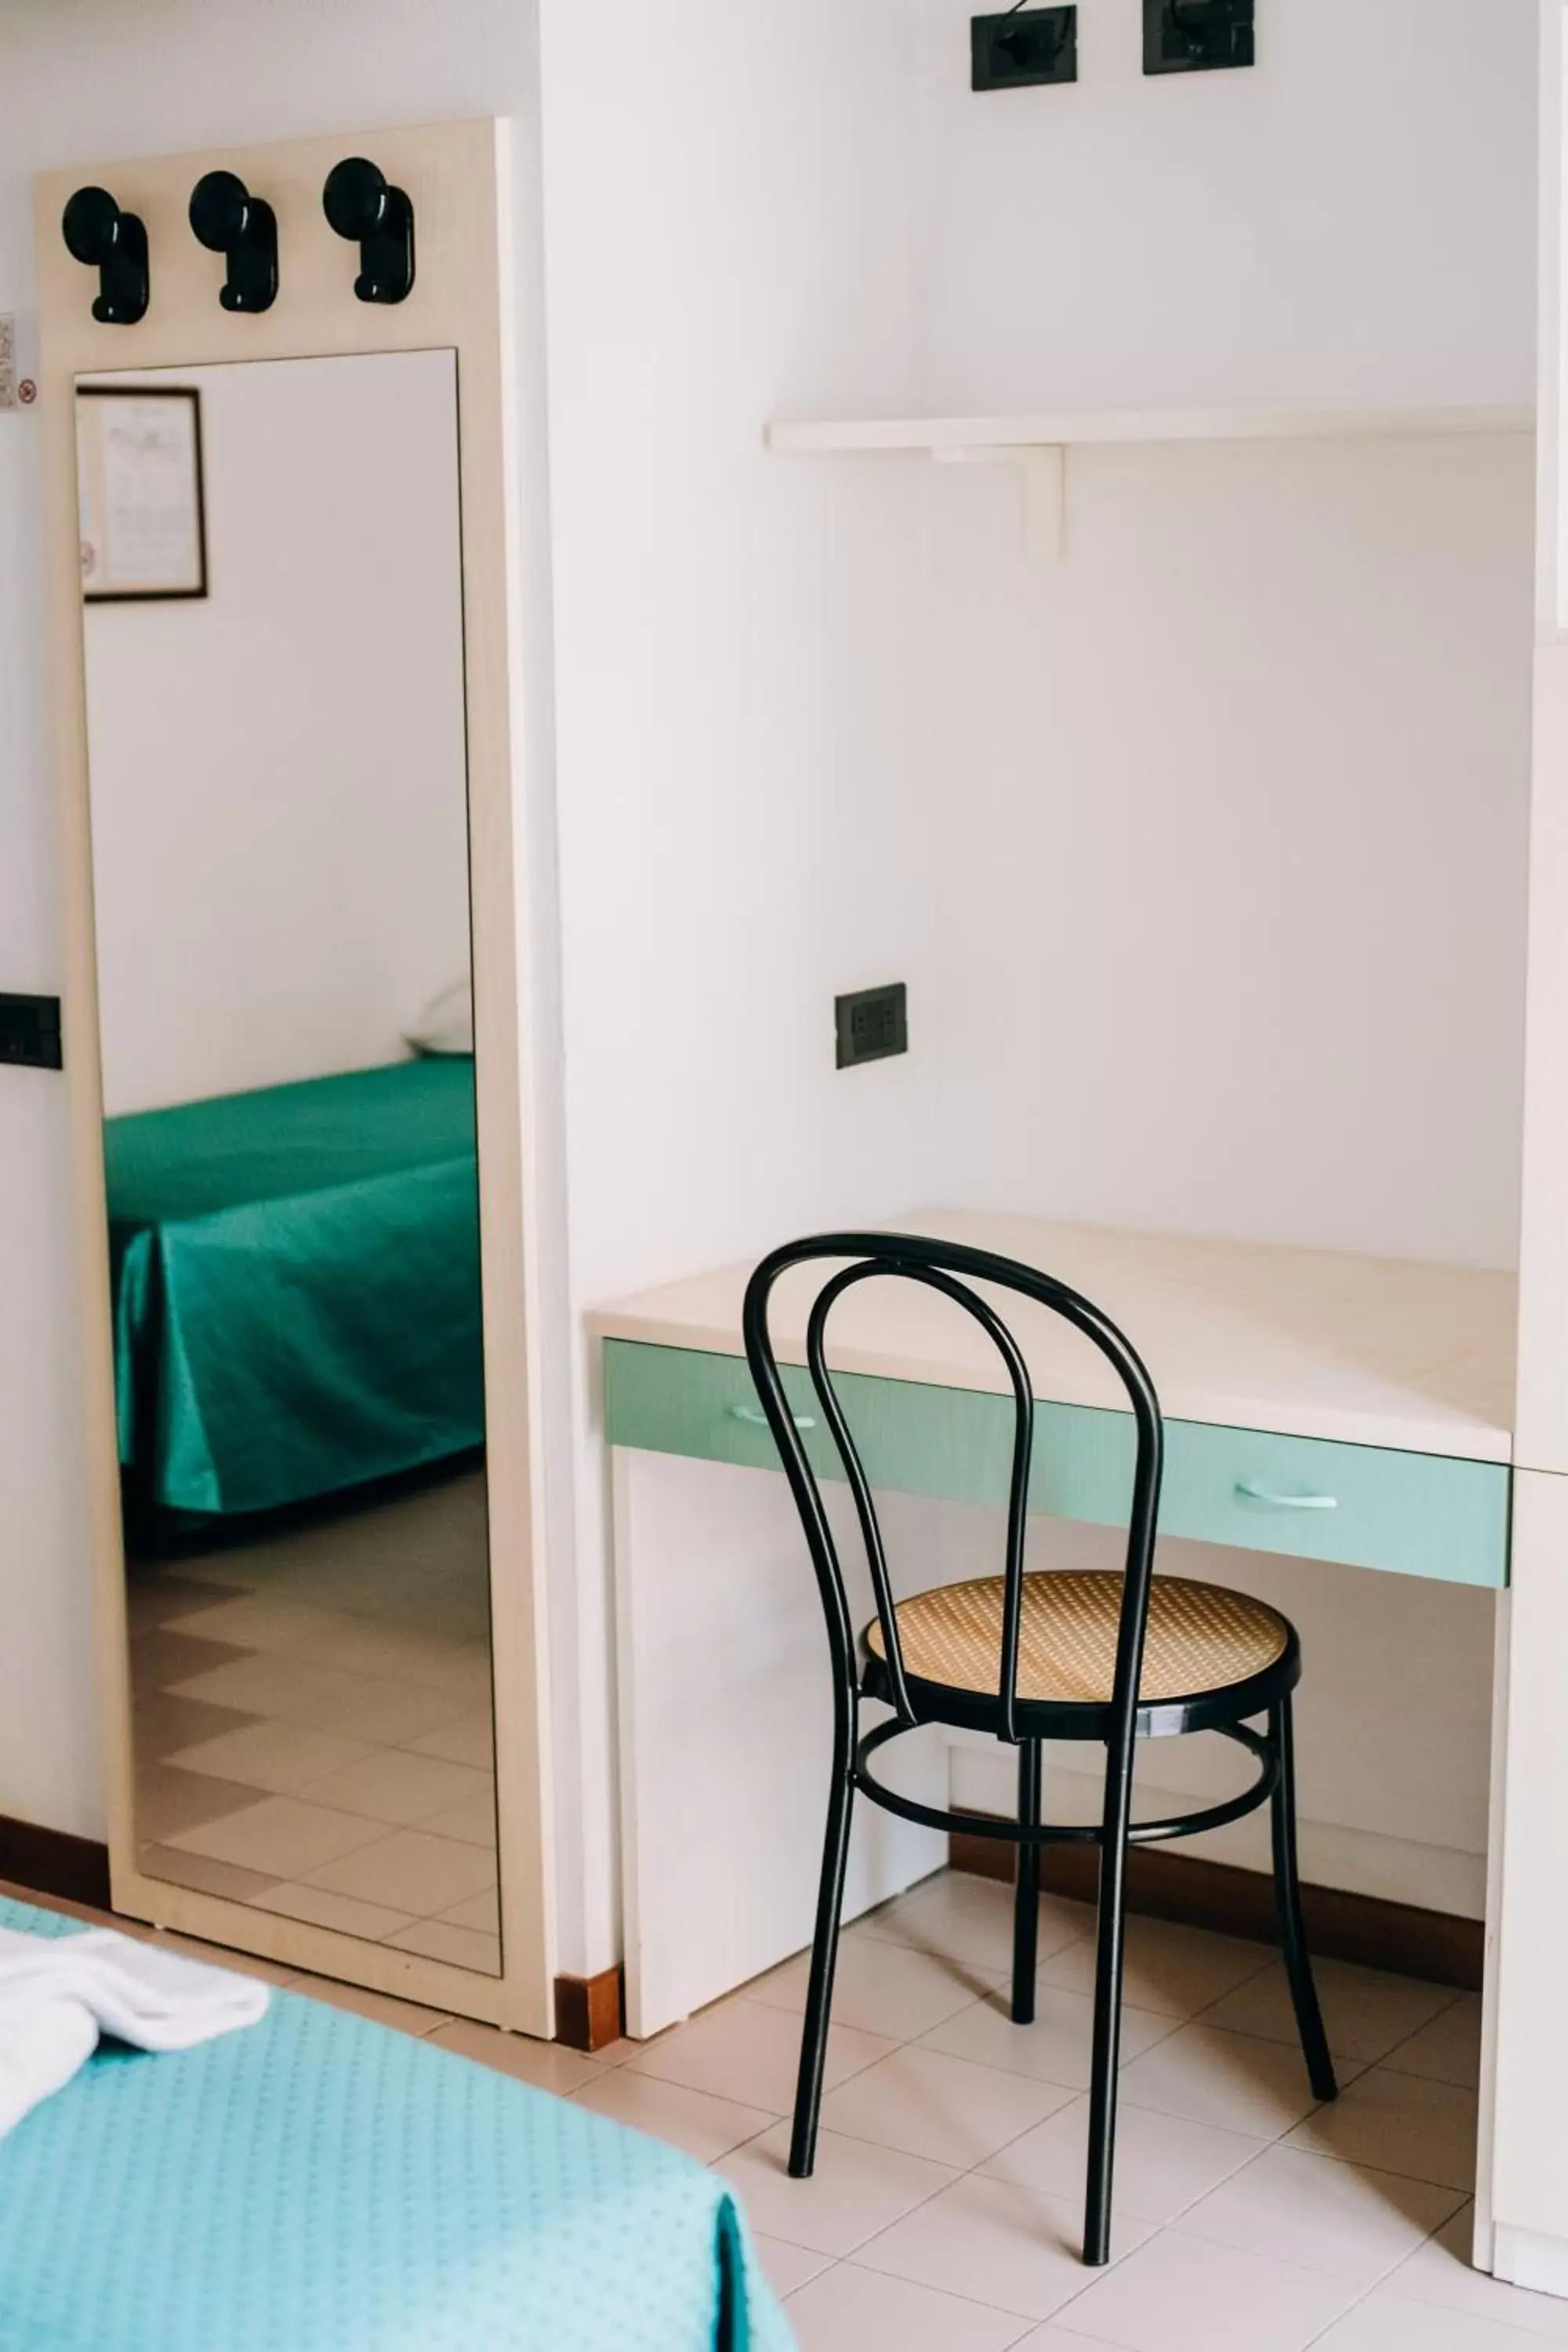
(140, 489)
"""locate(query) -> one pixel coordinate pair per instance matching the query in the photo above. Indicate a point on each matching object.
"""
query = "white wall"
(280, 796)
(1350, 219)
(1231, 863)
(745, 806)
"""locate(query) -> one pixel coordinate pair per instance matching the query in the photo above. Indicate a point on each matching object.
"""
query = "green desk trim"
(1413, 1514)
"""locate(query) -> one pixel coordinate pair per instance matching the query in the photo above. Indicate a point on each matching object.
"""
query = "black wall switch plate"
(872, 1025)
(1197, 36)
(1025, 47)
(30, 1032)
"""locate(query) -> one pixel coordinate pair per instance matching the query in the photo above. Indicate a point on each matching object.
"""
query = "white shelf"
(940, 437)
(1037, 447)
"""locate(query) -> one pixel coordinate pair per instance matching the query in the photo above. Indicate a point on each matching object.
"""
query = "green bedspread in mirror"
(296, 1286)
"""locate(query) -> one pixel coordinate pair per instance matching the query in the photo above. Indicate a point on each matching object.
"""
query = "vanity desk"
(1323, 1406)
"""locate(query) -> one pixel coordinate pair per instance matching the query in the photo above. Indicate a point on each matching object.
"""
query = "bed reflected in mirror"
(273, 626)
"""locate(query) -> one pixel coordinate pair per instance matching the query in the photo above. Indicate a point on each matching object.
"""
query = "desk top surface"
(1311, 1343)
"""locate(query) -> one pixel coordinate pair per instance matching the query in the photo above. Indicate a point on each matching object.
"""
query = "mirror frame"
(458, 177)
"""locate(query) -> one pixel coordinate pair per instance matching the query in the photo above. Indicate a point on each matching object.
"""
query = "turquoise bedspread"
(296, 1286)
(319, 2184)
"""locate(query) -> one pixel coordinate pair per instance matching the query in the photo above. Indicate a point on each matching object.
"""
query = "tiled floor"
(945, 2210)
(313, 1724)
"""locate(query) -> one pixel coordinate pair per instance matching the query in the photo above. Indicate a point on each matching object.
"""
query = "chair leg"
(1027, 1901)
(819, 1989)
(1292, 1926)
(1108, 1972)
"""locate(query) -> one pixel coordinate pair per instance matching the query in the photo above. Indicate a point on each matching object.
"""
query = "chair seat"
(1202, 1638)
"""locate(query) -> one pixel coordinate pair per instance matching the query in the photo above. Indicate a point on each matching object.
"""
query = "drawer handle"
(756, 1419)
(1252, 1491)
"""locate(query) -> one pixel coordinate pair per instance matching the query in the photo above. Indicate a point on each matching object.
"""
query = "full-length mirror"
(274, 656)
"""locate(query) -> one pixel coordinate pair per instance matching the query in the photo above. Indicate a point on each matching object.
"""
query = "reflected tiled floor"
(313, 1725)
(944, 2212)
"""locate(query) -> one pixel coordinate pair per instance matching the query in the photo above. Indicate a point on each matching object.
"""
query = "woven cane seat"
(1201, 1638)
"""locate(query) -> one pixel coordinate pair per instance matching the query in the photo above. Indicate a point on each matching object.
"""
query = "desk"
(1319, 1405)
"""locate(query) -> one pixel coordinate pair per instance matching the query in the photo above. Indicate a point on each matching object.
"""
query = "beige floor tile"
(202, 1874)
(1449, 2050)
(1164, 2163)
(1366, 2011)
(391, 1785)
(1440, 2277)
(1332, 2217)
(1399, 2123)
(856, 2189)
(548, 2065)
(744, 2050)
(470, 1740)
(883, 1987)
(958, 1917)
(165, 1600)
(165, 1659)
(259, 1621)
(458, 1947)
(380, 2008)
(322, 1698)
(409, 1871)
(852, 2310)
(472, 1818)
(1386, 2322)
(1022, 2250)
(162, 1723)
(947, 2109)
(401, 1653)
(280, 1837)
(1055, 2049)
(169, 1801)
(278, 1757)
(1176, 2295)
(464, 1669)
(479, 1912)
(370, 1921)
(694, 2121)
(785, 2267)
(1236, 2081)
(1177, 1970)
(1052, 2338)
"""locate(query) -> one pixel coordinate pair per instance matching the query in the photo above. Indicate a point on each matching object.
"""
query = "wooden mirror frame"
(457, 176)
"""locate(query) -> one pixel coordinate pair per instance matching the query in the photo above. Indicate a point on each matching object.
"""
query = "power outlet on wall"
(1197, 36)
(872, 1024)
(1023, 48)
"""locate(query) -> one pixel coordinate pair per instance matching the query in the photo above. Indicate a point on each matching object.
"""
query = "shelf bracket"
(1041, 468)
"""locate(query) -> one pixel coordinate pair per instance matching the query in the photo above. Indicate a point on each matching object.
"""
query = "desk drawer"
(1417, 1514)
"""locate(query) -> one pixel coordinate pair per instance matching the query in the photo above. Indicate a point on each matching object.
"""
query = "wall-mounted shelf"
(1037, 444)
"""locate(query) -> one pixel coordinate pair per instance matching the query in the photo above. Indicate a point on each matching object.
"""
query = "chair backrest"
(948, 1268)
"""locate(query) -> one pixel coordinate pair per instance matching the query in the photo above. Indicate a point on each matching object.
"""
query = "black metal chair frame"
(948, 1268)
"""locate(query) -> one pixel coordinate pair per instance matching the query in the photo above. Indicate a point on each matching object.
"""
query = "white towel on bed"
(59, 1994)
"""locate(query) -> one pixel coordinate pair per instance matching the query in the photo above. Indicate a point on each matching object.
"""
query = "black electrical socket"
(1023, 47)
(30, 1032)
(872, 1024)
(1197, 36)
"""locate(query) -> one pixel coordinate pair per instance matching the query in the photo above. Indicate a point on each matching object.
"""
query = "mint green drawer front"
(1417, 1514)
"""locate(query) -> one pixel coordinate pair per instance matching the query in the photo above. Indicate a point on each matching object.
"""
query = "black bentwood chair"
(1032, 1657)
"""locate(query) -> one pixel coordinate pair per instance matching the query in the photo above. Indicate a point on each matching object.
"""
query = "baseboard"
(1340, 1927)
(52, 1862)
(590, 2011)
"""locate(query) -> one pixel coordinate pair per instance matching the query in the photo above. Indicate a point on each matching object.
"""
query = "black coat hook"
(361, 205)
(227, 219)
(113, 243)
